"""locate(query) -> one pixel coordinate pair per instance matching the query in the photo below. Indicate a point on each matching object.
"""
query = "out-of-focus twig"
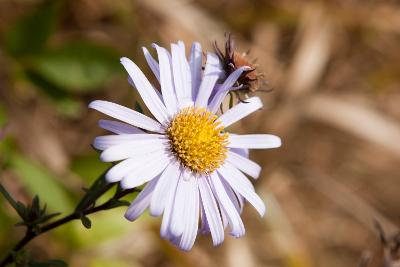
(86, 206)
(358, 119)
(387, 254)
(315, 40)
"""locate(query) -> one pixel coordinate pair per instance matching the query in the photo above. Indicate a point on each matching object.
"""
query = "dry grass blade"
(357, 119)
(315, 40)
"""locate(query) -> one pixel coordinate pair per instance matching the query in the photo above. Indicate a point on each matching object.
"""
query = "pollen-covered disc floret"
(197, 140)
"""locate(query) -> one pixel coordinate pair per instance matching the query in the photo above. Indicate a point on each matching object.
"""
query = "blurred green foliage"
(30, 33)
(61, 71)
(88, 166)
(77, 67)
(39, 181)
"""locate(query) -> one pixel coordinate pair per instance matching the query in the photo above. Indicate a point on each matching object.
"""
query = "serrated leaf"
(77, 67)
(86, 222)
(29, 34)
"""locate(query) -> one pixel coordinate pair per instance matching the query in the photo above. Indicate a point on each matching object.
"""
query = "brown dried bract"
(250, 80)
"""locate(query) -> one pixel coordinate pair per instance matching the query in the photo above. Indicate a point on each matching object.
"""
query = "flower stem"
(85, 207)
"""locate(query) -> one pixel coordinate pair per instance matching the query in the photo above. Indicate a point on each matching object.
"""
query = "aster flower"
(193, 170)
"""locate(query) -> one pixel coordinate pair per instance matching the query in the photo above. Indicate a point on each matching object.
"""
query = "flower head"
(194, 170)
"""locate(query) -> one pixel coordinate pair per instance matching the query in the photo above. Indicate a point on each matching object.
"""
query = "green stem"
(85, 207)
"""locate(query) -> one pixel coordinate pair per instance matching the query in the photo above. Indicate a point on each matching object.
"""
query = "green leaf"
(77, 67)
(86, 222)
(35, 204)
(29, 34)
(40, 181)
(8, 197)
(22, 211)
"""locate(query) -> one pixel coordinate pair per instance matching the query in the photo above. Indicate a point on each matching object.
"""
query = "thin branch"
(85, 207)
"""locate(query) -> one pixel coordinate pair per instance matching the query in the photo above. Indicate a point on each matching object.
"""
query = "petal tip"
(125, 60)
(125, 184)
(277, 141)
(129, 216)
(93, 104)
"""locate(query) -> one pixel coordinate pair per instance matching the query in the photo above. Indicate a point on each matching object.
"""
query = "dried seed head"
(250, 80)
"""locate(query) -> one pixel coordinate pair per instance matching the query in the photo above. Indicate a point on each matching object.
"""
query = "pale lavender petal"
(236, 199)
(216, 101)
(195, 62)
(118, 127)
(165, 186)
(133, 149)
(167, 86)
(191, 219)
(254, 141)
(130, 81)
(182, 75)
(122, 169)
(176, 224)
(147, 171)
(211, 74)
(126, 115)
(141, 202)
(181, 45)
(107, 141)
(241, 151)
(168, 211)
(146, 90)
(152, 63)
(240, 111)
(244, 164)
(211, 211)
(204, 228)
(240, 183)
(225, 202)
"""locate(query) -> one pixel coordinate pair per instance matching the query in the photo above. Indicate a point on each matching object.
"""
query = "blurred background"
(335, 73)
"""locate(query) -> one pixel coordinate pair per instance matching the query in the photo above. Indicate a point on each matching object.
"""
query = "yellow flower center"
(197, 140)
